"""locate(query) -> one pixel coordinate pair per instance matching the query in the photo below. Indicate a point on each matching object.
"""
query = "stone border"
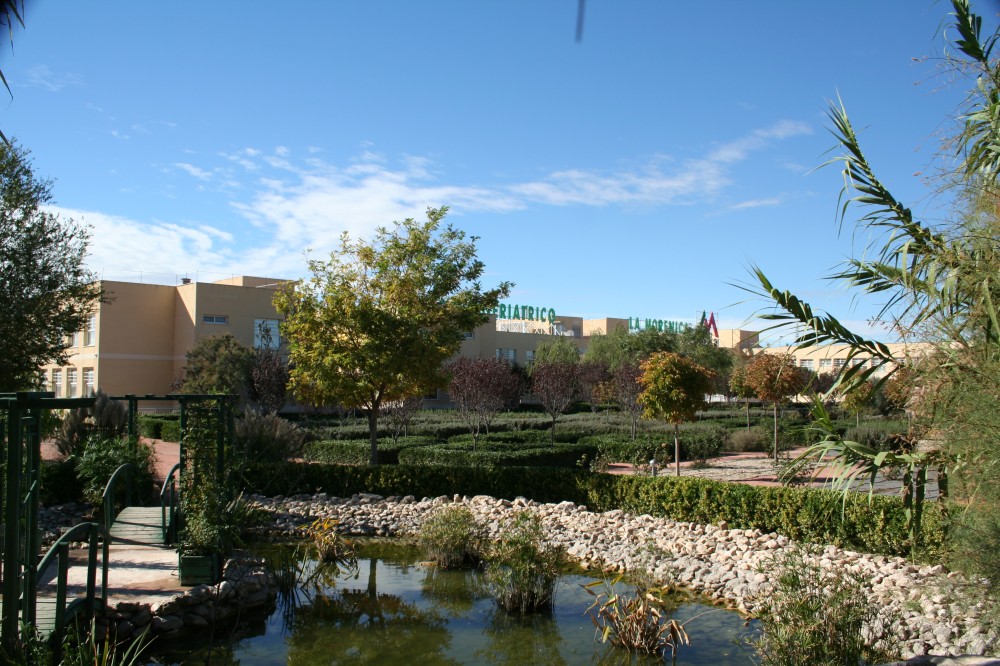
(727, 565)
(246, 588)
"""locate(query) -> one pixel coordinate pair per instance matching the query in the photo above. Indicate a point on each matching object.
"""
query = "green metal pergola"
(20, 538)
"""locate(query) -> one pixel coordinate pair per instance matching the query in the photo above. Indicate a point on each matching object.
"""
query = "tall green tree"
(619, 346)
(46, 291)
(560, 349)
(674, 389)
(696, 342)
(219, 364)
(376, 321)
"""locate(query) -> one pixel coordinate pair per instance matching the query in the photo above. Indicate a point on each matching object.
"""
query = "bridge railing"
(170, 505)
(59, 553)
(121, 480)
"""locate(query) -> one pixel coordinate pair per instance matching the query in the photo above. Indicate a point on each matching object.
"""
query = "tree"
(591, 378)
(219, 364)
(674, 389)
(739, 387)
(774, 378)
(375, 322)
(626, 388)
(46, 292)
(400, 412)
(557, 350)
(858, 399)
(696, 342)
(619, 346)
(481, 388)
(268, 373)
(554, 383)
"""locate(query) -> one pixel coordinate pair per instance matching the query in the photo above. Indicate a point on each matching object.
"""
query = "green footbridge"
(34, 587)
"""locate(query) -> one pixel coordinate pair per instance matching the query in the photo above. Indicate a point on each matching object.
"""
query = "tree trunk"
(775, 433)
(747, 403)
(552, 433)
(634, 422)
(677, 450)
(373, 434)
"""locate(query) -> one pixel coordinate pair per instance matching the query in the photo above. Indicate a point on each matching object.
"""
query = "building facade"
(137, 341)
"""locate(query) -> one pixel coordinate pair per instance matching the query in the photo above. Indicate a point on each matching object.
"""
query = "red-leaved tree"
(480, 388)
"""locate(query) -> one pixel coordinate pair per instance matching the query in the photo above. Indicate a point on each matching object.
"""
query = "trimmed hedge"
(809, 515)
(696, 444)
(160, 426)
(358, 451)
(498, 454)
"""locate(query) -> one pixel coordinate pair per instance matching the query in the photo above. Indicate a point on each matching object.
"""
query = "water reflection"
(392, 608)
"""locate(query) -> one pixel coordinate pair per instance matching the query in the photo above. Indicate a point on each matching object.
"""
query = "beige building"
(832, 358)
(137, 341)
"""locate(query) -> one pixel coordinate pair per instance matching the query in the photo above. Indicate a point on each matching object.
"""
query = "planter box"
(198, 569)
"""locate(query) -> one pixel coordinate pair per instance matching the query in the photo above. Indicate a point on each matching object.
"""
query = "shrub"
(358, 451)
(267, 437)
(99, 458)
(452, 537)
(880, 435)
(636, 622)
(107, 418)
(150, 427)
(754, 439)
(171, 431)
(822, 616)
(521, 570)
(702, 443)
(59, 482)
(332, 547)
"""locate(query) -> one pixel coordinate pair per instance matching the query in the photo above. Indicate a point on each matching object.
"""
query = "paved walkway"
(758, 469)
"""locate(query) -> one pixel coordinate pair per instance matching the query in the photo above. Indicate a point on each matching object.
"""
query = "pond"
(393, 609)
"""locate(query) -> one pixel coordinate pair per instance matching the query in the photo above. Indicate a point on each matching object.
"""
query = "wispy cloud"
(756, 203)
(42, 76)
(295, 202)
(191, 169)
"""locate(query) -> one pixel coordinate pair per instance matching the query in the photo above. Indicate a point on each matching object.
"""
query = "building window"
(88, 381)
(806, 363)
(838, 363)
(507, 354)
(529, 356)
(74, 339)
(57, 387)
(90, 333)
(266, 331)
(215, 319)
(470, 335)
(71, 384)
(825, 363)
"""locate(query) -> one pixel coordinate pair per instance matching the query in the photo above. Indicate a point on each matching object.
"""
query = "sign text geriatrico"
(524, 312)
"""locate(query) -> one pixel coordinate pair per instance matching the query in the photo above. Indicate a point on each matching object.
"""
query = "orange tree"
(773, 378)
(673, 389)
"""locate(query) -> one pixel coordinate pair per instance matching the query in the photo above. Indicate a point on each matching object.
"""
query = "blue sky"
(636, 173)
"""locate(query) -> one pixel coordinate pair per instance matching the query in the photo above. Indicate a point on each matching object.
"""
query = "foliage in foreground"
(521, 569)
(453, 537)
(822, 617)
(46, 291)
(636, 622)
